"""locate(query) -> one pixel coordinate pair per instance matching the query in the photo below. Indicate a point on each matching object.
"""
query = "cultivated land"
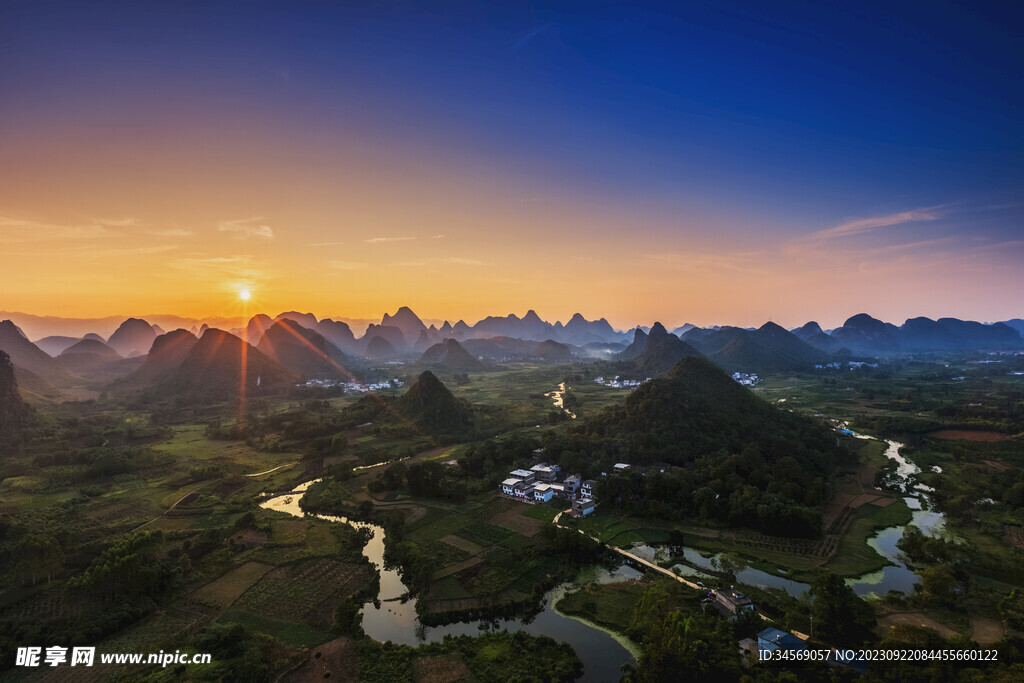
(106, 473)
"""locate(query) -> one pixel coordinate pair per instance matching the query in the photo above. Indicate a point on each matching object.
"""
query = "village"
(543, 483)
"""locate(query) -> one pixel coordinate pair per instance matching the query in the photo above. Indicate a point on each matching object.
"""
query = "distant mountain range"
(864, 335)
(294, 346)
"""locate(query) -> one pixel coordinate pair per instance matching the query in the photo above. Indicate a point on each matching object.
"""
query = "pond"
(603, 654)
(896, 576)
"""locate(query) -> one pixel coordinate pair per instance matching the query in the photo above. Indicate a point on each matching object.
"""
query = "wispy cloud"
(325, 244)
(378, 240)
(731, 261)
(245, 228)
(441, 261)
(126, 251)
(20, 230)
(237, 266)
(860, 226)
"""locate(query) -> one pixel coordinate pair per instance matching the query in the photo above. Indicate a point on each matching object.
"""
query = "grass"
(855, 557)
(448, 523)
(609, 605)
(189, 443)
(542, 512)
(299, 635)
(225, 590)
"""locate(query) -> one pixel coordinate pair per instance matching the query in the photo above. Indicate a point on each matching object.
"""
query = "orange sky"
(129, 189)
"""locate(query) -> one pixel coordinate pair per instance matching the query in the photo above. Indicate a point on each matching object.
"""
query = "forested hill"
(734, 457)
(14, 413)
(430, 404)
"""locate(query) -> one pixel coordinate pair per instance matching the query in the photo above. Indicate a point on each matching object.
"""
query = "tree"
(841, 617)
(38, 556)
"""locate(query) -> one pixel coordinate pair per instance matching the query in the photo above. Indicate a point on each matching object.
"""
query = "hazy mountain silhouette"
(162, 362)
(1017, 324)
(212, 370)
(450, 355)
(553, 351)
(379, 348)
(304, 352)
(257, 327)
(307, 320)
(132, 338)
(406, 321)
(88, 356)
(423, 342)
(637, 346)
(55, 345)
(863, 334)
(36, 371)
(662, 352)
(339, 334)
(389, 333)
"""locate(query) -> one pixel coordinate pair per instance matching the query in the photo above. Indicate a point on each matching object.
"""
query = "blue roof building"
(772, 639)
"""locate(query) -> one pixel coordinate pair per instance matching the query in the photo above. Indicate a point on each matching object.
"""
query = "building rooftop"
(510, 482)
(735, 597)
(520, 473)
(776, 639)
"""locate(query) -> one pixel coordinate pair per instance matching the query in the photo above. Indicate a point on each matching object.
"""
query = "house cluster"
(618, 383)
(746, 379)
(853, 365)
(543, 483)
(352, 387)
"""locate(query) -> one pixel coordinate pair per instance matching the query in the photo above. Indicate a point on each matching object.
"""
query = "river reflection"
(603, 654)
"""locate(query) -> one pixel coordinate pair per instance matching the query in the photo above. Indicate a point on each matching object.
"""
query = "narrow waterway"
(896, 576)
(558, 398)
(603, 653)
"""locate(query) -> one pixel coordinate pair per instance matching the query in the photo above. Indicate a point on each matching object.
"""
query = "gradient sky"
(710, 162)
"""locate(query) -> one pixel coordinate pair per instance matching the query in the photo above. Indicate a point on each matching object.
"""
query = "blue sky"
(697, 126)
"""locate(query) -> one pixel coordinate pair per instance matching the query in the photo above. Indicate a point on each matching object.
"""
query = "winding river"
(896, 576)
(603, 653)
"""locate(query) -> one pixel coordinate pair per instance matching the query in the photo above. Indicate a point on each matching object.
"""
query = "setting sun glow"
(245, 295)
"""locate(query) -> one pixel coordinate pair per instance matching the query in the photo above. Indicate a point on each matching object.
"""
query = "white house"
(508, 486)
(619, 467)
(583, 507)
(543, 492)
(525, 475)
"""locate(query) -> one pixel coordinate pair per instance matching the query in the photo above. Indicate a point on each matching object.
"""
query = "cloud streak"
(381, 240)
(859, 226)
(246, 228)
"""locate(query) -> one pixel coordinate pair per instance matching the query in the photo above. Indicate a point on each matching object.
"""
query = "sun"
(245, 295)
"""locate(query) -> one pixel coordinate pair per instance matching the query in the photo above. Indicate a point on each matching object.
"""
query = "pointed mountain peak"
(772, 328)
(658, 330)
(531, 316)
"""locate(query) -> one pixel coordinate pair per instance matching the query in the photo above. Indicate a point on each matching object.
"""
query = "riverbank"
(603, 653)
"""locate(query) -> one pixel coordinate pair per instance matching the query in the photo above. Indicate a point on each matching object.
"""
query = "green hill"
(768, 348)
(661, 352)
(733, 457)
(14, 412)
(431, 407)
